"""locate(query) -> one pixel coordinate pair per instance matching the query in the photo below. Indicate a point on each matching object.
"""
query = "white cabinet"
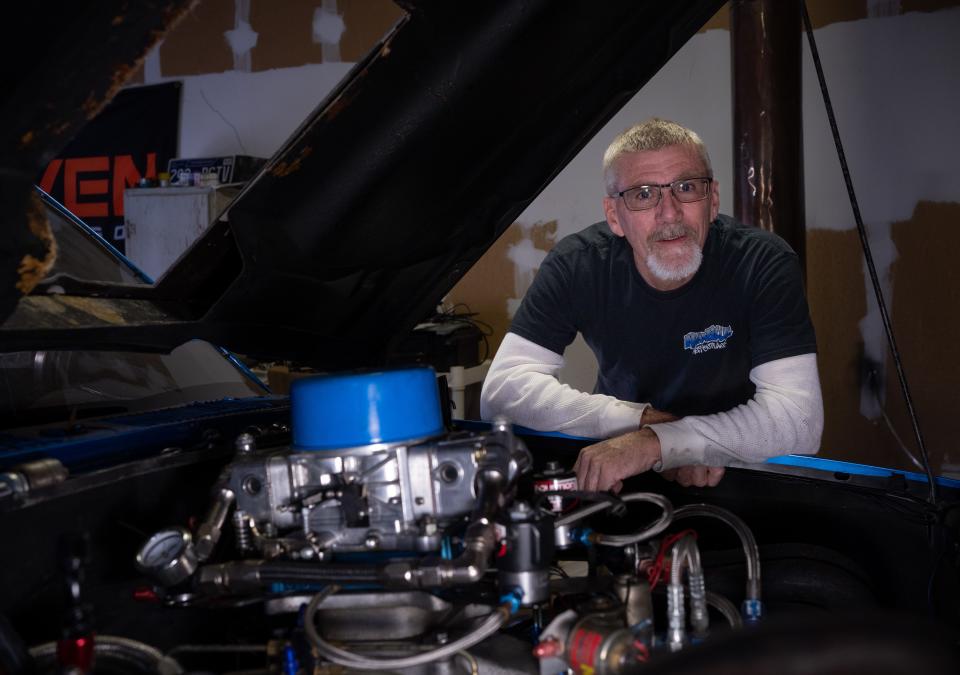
(161, 223)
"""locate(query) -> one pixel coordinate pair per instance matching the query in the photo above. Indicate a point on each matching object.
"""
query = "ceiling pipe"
(767, 121)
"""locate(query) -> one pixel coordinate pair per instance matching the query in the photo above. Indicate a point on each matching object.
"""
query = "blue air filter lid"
(352, 409)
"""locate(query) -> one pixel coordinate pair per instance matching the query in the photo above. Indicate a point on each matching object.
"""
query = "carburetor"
(370, 468)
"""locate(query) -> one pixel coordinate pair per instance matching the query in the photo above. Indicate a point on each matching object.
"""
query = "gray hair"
(653, 134)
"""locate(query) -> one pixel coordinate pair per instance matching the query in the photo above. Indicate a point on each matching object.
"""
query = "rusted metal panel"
(79, 55)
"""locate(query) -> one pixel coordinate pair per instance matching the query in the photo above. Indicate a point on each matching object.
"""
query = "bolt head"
(246, 443)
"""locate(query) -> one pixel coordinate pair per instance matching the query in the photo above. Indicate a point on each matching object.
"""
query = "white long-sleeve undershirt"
(784, 416)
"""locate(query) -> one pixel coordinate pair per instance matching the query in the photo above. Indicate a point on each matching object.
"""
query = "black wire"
(889, 423)
(933, 497)
(467, 318)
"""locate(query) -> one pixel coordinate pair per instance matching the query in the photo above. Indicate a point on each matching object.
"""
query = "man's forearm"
(784, 416)
(522, 385)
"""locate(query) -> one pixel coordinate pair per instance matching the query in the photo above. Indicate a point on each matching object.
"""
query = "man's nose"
(669, 207)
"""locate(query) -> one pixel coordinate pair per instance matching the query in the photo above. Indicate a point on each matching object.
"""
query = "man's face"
(667, 239)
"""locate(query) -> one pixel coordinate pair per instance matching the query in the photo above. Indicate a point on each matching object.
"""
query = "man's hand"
(604, 465)
(700, 476)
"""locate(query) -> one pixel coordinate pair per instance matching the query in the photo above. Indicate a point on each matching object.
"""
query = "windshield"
(81, 253)
(52, 386)
(44, 387)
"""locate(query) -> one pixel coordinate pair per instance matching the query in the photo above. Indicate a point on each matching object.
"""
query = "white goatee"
(675, 269)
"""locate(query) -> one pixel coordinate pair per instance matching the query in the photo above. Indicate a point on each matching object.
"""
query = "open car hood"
(392, 188)
(374, 208)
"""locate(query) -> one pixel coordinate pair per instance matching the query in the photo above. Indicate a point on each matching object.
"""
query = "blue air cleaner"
(346, 410)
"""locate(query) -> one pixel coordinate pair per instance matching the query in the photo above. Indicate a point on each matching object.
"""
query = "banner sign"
(132, 138)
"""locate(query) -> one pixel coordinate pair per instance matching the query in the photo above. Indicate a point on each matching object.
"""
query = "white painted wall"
(882, 72)
(241, 113)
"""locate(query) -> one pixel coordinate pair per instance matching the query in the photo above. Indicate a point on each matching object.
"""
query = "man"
(699, 324)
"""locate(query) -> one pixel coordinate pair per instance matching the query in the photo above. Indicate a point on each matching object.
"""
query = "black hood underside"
(393, 187)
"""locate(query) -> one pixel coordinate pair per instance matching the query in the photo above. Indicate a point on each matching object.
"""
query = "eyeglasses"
(686, 190)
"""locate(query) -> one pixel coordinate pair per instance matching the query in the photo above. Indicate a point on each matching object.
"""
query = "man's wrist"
(651, 415)
(650, 446)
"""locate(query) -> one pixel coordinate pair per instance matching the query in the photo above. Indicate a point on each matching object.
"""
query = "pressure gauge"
(168, 557)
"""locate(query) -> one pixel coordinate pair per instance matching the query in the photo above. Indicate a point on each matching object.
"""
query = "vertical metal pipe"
(767, 121)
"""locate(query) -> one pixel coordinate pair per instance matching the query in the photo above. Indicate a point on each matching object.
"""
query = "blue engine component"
(333, 412)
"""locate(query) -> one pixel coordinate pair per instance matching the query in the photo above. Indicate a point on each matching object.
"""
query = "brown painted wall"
(284, 35)
(926, 288)
(197, 45)
(825, 12)
(926, 295)
(488, 284)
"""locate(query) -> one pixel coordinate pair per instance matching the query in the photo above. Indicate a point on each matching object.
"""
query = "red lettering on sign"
(94, 187)
(124, 174)
(76, 166)
(50, 175)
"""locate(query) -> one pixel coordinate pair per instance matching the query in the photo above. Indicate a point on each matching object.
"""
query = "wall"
(253, 70)
(894, 76)
(895, 82)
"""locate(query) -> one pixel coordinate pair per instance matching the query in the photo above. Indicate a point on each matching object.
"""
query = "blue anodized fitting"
(581, 535)
(752, 609)
(513, 599)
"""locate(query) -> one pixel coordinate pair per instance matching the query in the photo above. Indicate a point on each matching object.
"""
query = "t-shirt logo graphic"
(712, 337)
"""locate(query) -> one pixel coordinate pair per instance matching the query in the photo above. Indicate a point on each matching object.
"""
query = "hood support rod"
(868, 256)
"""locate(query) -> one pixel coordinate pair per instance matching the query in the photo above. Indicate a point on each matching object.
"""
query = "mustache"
(672, 232)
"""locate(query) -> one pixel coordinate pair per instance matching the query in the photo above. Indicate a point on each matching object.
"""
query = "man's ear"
(714, 200)
(610, 211)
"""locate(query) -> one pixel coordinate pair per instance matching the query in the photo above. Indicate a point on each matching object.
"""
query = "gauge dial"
(168, 556)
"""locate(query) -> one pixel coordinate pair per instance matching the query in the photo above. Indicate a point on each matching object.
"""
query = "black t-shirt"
(688, 351)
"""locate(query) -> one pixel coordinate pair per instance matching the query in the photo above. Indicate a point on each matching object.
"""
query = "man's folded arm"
(784, 416)
(522, 385)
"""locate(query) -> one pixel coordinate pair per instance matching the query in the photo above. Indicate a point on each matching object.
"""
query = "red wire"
(657, 571)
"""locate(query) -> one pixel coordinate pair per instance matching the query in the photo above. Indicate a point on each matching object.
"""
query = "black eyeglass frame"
(660, 186)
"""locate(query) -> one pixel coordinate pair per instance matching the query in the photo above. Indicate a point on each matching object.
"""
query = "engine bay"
(370, 537)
